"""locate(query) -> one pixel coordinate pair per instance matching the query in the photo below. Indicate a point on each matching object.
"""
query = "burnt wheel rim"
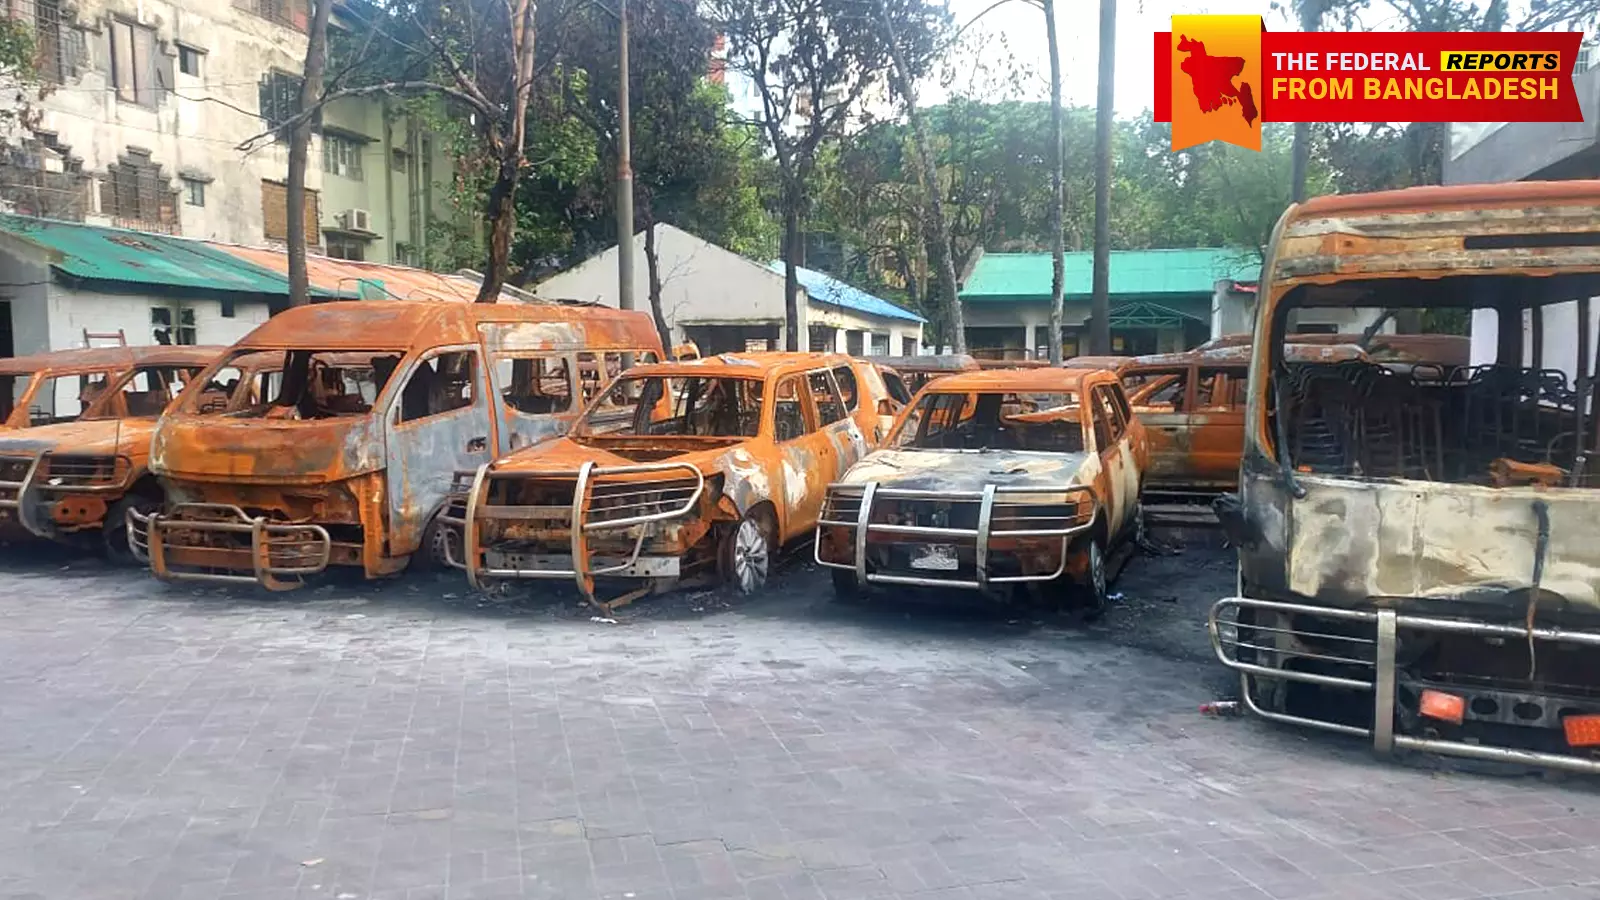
(1097, 574)
(749, 556)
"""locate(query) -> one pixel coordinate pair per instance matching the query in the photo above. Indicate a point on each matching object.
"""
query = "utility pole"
(624, 168)
(1100, 300)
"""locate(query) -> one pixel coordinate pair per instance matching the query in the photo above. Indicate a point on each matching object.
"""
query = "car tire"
(114, 531)
(846, 589)
(744, 558)
(1095, 592)
(430, 557)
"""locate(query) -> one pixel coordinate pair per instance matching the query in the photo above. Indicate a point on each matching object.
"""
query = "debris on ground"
(602, 620)
(1220, 708)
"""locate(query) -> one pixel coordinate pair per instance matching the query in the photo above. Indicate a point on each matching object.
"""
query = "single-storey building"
(1161, 301)
(61, 280)
(726, 302)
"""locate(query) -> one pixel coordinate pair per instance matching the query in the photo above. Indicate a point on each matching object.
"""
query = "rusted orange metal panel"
(349, 423)
(699, 467)
(1053, 487)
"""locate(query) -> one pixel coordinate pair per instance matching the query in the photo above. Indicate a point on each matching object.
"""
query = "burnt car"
(83, 462)
(344, 452)
(916, 371)
(700, 467)
(56, 386)
(1192, 405)
(1417, 552)
(992, 480)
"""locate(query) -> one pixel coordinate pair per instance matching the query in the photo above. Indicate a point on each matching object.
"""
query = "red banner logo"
(1211, 71)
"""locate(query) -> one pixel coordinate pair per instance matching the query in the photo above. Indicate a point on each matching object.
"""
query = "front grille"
(77, 472)
(616, 501)
(14, 468)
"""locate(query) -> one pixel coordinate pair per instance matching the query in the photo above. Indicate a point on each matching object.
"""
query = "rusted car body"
(54, 387)
(709, 465)
(1108, 363)
(1192, 405)
(1418, 554)
(345, 452)
(917, 371)
(1438, 349)
(85, 460)
(989, 481)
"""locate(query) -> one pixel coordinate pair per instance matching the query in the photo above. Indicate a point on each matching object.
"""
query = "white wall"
(72, 310)
(701, 283)
(1560, 337)
(846, 321)
(184, 132)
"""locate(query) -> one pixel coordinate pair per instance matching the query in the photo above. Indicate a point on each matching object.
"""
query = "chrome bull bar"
(148, 541)
(43, 478)
(581, 569)
(1375, 651)
(862, 527)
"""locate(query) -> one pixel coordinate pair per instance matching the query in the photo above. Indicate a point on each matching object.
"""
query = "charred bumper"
(572, 524)
(222, 543)
(1375, 673)
(1001, 535)
(50, 493)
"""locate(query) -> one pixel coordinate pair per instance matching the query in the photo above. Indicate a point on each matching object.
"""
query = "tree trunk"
(652, 267)
(501, 218)
(1058, 198)
(1100, 307)
(1300, 161)
(501, 212)
(944, 254)
(793, 255)
(299, 150)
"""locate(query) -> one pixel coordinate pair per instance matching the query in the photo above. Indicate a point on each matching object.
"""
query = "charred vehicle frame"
(1418, 562)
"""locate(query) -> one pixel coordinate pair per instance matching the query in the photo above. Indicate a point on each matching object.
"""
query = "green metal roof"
(117, 255)
(1136, 273)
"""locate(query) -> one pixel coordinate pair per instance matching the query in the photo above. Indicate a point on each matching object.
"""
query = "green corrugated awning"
(1145, 314)
(116, 255)
(1143, 273)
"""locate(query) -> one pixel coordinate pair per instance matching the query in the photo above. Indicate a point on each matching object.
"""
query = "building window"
(288, 13)
(133, 63)
(342, 156)
(275, 213)
(347, 248)
(194, 192)
(135, 190)
(172, 325)
(280, 98)
(189, 59)
(398, 160)
(47, 40)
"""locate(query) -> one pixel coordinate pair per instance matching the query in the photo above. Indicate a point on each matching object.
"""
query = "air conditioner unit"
(356, 220)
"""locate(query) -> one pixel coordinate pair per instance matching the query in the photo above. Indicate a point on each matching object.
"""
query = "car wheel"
(114, 531)
(746, 553)
(845, 587)
(436, 541)
(1096, 594)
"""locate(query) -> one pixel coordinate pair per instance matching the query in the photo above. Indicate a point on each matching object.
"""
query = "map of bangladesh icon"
(1211, 79)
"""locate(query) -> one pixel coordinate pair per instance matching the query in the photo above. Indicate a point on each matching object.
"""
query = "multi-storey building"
(154, 116)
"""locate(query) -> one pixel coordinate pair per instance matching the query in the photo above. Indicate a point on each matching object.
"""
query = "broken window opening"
(143, 393)
(438, 385)
(64, 398)
(298, 384)
(1516, 412)
(135, 191)
(677, 407)
(1038, 422)
(534, 385)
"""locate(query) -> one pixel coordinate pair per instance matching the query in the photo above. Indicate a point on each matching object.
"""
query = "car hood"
(567, 455)
(97, 437)
(969, 471)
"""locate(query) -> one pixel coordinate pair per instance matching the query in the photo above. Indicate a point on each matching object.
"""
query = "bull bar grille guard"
(75, 475)
(579, 516)
(1382, 644)
(300, 549)
(991, 496)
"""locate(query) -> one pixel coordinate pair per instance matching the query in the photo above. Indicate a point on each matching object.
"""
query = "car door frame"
(1170, 433)
(1117, 461)
(414, 496)
(1217, 434)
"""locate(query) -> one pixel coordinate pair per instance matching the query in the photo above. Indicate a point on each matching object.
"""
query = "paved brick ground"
(398, 743)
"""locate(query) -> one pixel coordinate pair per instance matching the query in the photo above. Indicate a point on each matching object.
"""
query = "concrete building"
(149, 102)
(1534, 151)
(723, 301)
(59, 280)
